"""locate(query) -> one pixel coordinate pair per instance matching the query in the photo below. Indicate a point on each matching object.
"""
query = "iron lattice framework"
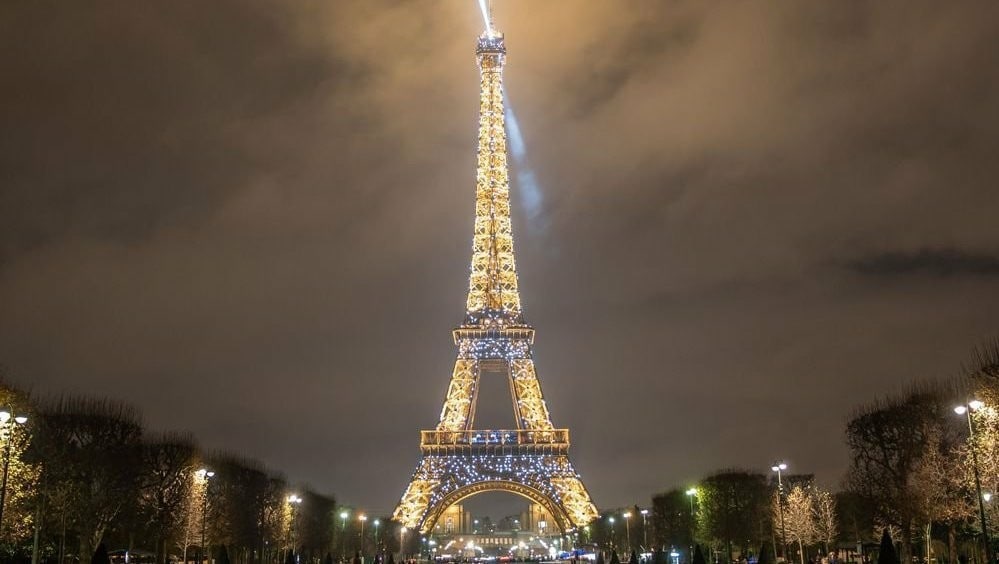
(533, 459)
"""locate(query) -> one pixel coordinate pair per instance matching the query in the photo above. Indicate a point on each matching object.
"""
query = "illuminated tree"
(824, 517)
(22, 500)
(799, 518)
(944, 484)
(982, 376)
(190, 512)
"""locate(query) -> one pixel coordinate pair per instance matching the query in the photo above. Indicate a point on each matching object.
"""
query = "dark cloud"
(122, 118)
(935, 262)
(253, 219)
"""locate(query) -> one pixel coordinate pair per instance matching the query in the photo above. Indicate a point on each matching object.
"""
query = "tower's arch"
(552, 506)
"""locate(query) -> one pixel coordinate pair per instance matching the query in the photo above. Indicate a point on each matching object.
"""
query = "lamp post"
(377, 538)
(627, 527)
(8, 422)
(206, 475)
(343, 534)
(975, 405)
(362, 518)
(645, 528)
(691, 494)
(293, 501)
(611, 519)
(778, 467)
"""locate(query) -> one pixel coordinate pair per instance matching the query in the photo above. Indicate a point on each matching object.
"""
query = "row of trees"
(913, 461)
(83, 472)
(733, 512)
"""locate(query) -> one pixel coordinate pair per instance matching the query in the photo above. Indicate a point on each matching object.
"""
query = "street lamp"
(627, 527)
(343, 534)
(611, 519)
(205, 474)
(293, 502)
(691, 494)
(377, 538)
(645, 528)
(778, 467)
(975, 405)
(362, 518)
(8, 423)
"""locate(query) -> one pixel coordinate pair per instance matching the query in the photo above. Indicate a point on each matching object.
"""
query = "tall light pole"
(362, 518)
(778, 467)
(377, 538)
(627, 527)
(293, 501)
(206, 475)
(343, 534)
(691, 494)
(975, 405)
(8, 422)
(611, 519)
(645, 528)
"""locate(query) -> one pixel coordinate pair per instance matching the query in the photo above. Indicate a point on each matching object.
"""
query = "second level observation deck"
(496, 441)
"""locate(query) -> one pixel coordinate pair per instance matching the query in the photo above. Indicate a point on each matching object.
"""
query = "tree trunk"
(62, 538)
(951, 543)
(801, 552)
(38, 530)
(905, 543)
(929, 540)
(86, 548)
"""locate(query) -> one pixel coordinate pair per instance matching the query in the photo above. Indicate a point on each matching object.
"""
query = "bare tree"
(887, 441)
(167, 466)
(90, 450)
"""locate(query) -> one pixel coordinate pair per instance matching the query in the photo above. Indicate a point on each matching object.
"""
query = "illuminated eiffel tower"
(459, 461)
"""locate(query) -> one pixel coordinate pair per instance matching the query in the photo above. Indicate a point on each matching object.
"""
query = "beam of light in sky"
(485, 17)
(528, 183)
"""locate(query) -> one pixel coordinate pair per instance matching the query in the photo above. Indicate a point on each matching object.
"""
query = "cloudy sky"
(252, 219)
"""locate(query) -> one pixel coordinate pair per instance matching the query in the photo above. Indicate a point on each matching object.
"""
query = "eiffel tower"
(457, 460)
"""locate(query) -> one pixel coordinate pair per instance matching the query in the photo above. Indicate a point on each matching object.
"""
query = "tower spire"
(492, 286)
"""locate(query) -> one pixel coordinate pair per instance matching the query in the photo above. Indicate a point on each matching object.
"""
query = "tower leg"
(459, 404)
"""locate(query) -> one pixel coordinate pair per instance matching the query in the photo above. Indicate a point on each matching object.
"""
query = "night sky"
(252, 219)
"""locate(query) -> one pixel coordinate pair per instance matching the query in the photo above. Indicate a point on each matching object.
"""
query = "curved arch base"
(443, 480)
